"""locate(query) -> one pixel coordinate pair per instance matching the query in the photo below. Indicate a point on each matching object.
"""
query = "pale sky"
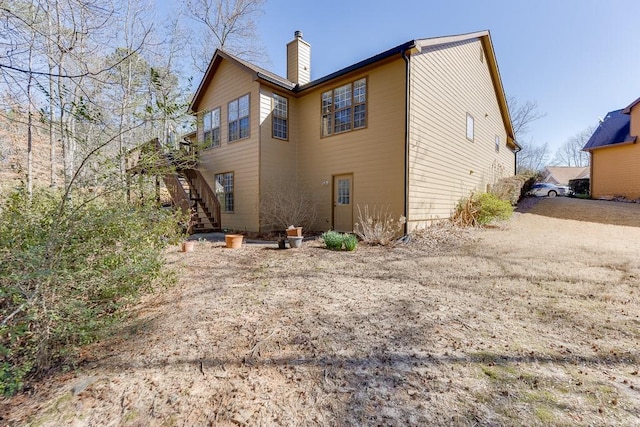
(578, 59)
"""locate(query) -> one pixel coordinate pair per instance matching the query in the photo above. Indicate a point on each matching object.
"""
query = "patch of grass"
(544, 414)
(490, 372)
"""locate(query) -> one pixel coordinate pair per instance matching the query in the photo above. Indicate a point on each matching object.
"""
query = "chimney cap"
(298, 34)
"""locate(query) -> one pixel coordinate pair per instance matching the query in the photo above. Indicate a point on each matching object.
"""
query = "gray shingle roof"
(614, 129)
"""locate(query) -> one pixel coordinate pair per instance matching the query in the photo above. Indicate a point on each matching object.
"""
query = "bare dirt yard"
(532, 322)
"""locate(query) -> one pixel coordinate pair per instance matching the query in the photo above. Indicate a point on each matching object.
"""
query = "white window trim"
(470, 127)
(285, 118)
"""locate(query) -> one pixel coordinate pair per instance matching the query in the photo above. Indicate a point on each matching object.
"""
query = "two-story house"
(615, 154)
(412, 129)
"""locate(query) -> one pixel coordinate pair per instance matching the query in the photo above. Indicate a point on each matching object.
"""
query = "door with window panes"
(343, 203)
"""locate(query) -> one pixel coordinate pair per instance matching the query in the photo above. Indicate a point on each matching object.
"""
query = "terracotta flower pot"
(233, 241)
(296, 232)
(188, 246)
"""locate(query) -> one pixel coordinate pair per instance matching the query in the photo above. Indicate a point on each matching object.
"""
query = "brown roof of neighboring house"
(563, 174)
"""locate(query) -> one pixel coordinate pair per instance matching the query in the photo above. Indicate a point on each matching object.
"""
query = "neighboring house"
(412, 129)
(561, 175)
(615, 154)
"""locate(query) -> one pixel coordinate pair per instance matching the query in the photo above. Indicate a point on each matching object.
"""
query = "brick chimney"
(298, 60)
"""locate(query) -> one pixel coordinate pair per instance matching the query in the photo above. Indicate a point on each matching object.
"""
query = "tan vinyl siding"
(616, 172)
(374, 155)
(240, 157)
(635, 121)
(278, 163)
(447, 83)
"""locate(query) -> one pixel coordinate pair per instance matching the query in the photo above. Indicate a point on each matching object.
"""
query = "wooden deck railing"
(171, 165)
(201, 187)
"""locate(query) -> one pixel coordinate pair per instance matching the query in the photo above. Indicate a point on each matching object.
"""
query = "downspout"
(407, 110)
(515, 159)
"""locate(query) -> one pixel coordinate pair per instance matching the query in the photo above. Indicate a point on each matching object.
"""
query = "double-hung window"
(211, 124)
(238, 113)
(345, 108)
(280, 123)
(224, 191)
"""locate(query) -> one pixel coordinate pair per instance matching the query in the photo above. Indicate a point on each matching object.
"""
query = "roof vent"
(298, 34)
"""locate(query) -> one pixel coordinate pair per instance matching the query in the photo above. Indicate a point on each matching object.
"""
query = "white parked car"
(546, 189)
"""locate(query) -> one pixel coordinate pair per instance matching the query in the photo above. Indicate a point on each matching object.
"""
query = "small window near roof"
(470, 127)
(497, 144)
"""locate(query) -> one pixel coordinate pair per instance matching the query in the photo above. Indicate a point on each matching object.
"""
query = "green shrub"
(66, 270)
(333, 240)
(480, 209)
(350, 242)
(338, 241)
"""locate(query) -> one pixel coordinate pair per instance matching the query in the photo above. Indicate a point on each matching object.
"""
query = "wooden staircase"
(188, 189)
(205, 207)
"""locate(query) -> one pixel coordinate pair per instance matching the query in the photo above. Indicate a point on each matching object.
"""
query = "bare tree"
(225, 24)
(68, 62)
(522, 115)
(532, 157)
(570, 153)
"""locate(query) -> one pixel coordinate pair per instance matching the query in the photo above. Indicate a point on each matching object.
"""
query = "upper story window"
(239, 118)
(470, 127)
(497, 144)
(280, 117)
(345, 108)
(211, 124)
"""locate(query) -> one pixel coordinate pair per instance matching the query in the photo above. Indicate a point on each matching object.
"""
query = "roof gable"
(563, 174)
(487, 45)
(257, 72)
(613, 130)
(402, 49)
